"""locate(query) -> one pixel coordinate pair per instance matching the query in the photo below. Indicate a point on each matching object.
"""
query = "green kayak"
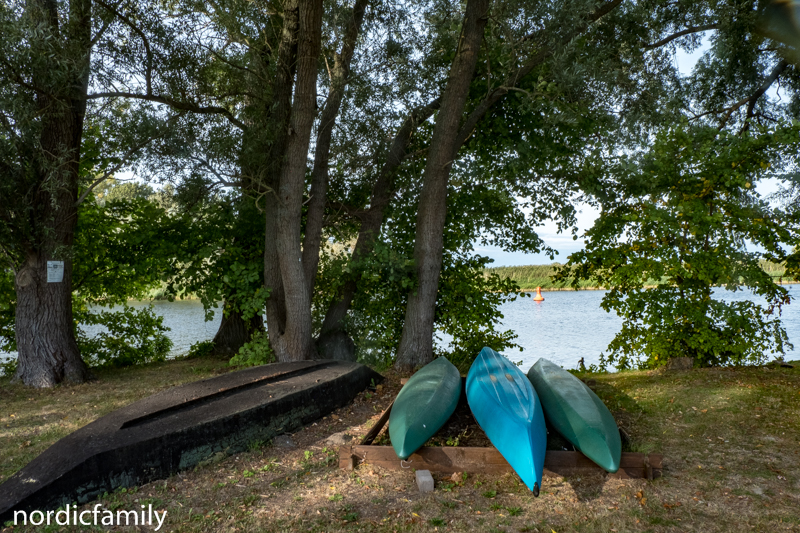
(576, 412)
(423, 406)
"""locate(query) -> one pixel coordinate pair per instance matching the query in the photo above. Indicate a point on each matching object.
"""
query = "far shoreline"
(557, 289)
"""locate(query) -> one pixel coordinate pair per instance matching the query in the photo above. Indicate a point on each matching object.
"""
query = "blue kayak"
(508, 410)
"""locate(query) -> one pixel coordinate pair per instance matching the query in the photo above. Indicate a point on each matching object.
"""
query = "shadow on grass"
(587, 487)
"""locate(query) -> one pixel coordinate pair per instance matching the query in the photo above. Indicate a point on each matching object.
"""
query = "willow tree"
(558, 88)
(52, 53)
(44, 77)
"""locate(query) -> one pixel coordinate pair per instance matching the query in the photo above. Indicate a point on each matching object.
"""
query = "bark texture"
(275, 150)
(234, 331)
(416, 342)
(48, 352)
(294, 343)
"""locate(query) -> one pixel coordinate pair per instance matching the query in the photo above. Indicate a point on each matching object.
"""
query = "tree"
(49, 63)
(684, 220)
(123, 248)
(416, 343)
(45, 75)
(220, 258)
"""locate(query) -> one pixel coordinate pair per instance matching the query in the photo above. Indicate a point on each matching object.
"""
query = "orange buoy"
(538, 297)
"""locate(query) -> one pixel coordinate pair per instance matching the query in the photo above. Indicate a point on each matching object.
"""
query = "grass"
(33, 419)
(532, 276)
(730, 439)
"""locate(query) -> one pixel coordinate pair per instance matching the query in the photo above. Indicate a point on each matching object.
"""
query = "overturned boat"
(181, 427)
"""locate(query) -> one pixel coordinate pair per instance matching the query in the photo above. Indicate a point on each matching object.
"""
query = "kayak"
(576, 412)
(508, 410)
(423, 406)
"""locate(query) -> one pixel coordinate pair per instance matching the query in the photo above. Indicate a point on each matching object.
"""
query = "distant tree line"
(529, 277)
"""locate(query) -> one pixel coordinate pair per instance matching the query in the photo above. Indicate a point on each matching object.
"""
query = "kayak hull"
(423, 406)
(508, 410)
(576, 412)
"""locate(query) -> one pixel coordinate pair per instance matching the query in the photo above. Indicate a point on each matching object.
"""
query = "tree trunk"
(331, 343)
(319, 175)
(295, 342)
(278, 127)
(45, 334)
(234, 331)
(416, 343)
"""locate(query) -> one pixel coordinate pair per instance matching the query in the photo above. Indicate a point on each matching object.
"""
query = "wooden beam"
(376, 429)
(489, 461)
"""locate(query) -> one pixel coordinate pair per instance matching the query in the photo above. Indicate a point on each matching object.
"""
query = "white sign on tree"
(55, 271)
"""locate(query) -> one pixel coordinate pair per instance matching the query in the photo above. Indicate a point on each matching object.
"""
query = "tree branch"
(123, 161)
(175, 104)
(148, 76)
(773, 76)
(749, 100)
(227, 61)
(149, 96)
(102, 30)
(687, 31)
(220, 179)
(494, 96)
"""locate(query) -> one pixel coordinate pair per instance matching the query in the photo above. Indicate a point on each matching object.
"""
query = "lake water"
(568, 325)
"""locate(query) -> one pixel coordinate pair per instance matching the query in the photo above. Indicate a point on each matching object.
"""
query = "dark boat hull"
(180, 428)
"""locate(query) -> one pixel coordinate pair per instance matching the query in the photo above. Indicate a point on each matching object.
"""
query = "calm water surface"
(568, 325)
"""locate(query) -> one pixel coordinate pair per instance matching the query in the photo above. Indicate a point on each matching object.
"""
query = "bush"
(8, 367)
(686, 218)
(200, 349)
(254, 353)
(134, 337)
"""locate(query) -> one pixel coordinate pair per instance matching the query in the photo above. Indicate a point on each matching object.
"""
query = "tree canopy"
(684, 225)
(369, 145)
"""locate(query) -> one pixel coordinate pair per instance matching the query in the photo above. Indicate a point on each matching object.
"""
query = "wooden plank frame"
(449, 459)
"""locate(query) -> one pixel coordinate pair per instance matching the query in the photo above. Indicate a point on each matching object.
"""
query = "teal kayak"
(508, 410)
(576, 412)
(424, 404)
